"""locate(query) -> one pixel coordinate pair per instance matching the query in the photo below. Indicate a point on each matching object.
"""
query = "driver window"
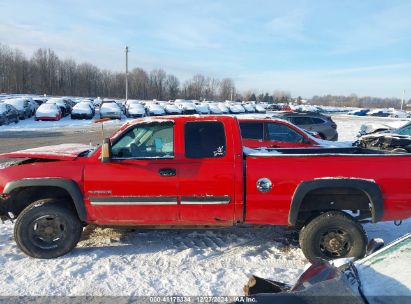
(149, 140)
(279, 132)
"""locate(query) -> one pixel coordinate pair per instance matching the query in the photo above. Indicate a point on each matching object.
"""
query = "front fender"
(67, 184)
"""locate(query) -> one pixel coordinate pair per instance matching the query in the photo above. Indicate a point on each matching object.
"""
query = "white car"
(224, 109)
(186, 106)
(172, 109)
(154, 109)
(202, 108)
(48, 111)
(249, 108)
(260, 108)
(214, 108)
(135, 109)
(64, 108)
(236, 108)
(399, 113)
(83, 110)
(110, 110)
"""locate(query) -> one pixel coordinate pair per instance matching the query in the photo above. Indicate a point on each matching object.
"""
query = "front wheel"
(47, 229)
(333, 235)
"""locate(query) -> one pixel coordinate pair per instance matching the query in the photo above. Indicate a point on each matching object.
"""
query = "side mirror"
(106, 151)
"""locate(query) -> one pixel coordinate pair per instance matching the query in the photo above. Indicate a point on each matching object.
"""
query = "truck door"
(207, 175)
(139, 185)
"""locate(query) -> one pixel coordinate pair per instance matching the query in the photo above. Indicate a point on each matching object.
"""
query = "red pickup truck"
(191, 171)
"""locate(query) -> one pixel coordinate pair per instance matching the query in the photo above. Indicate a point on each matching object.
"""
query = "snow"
(18, 103)
(113, 262)
(387, 273)
(47, 110)
(3, 108)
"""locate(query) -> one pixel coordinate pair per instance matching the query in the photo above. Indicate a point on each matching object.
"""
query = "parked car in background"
(372, 128)
(48, 111)
(187, 106)
(249, 108)
(379, 113)
(33, 105)
(110, 109)
(154, 109)
(273, 133)
(8, 114)
(83, 110)
(382, 277)
(389, 139)
(359, 112)
(64, 107)
(398, 113)
(22, 105)
(39, 100)
(202, 108)
(224, 108)
(172, 109)
(322, 124)
(122, 105)
(214, 108)
(135, 109)
(235, 108)
(260, 108)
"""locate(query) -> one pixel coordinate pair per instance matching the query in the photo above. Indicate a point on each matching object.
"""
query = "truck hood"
(58, 152)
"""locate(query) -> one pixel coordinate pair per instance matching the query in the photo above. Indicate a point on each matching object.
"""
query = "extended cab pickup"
(192, 171)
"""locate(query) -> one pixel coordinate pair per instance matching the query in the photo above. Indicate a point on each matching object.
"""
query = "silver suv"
(319, 123)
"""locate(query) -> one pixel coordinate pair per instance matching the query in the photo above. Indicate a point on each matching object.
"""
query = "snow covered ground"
(116, 262)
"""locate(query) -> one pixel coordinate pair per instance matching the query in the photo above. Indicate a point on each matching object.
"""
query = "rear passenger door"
(207, 175)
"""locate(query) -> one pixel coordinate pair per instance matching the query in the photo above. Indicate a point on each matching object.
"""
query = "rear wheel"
(332, 235)
(47, 229)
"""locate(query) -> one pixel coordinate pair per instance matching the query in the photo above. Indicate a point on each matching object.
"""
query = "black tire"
(333, 235)
(47, 229)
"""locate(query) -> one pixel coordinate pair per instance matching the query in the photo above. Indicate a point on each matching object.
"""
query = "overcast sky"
(306, 47)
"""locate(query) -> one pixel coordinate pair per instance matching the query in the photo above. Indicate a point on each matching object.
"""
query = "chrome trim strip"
(133, 200)
(205, 200)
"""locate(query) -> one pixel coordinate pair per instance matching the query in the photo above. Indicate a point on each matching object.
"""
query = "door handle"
(167, 172)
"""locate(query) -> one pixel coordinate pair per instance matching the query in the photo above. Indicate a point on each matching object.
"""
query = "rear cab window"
(252, 130)
(204, 139)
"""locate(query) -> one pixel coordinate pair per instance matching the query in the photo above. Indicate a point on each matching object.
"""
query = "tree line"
(360, 102)
(46, 73)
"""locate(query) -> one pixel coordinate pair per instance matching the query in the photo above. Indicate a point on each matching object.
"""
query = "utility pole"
(402, 100)
(126, 50)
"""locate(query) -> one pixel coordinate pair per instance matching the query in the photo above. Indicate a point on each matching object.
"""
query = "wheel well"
(22, 197)
(352, 200)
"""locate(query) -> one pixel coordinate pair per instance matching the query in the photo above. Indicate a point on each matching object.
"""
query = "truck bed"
(288, 168)
(357, 151)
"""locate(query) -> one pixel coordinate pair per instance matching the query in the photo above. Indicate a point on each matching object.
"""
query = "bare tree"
(157, 83)
(172, 87)
(227, 89)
